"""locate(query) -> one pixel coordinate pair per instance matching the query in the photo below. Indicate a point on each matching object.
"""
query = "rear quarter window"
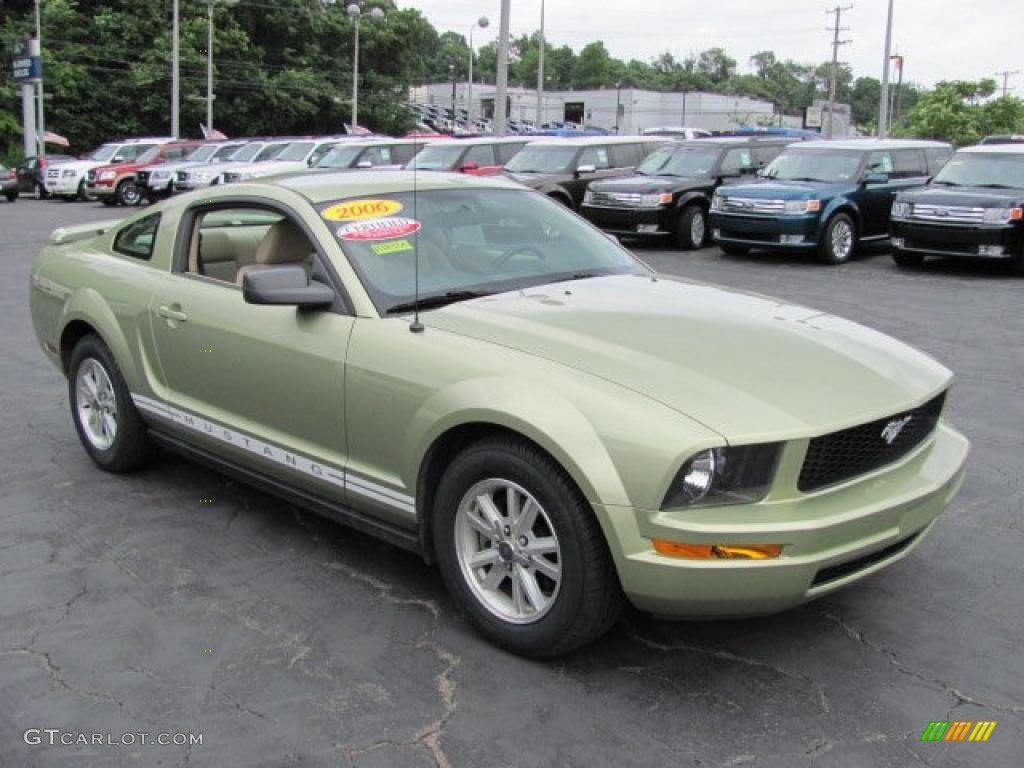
(937, 158)
(481, 154)
(909, 163)
(624, 155)
(137, 239)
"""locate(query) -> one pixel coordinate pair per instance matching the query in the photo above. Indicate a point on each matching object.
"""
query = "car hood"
(82, 166)
(538, 180)
(169, 167)
(751, 368)
(969, 197)
(785, 190)
(649, 184)
(279, 166)
(122, 168)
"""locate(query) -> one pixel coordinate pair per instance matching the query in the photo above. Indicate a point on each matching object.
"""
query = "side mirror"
(586, 169)
(364, 164)
(876, 178)
(285, 286)
(470, 166)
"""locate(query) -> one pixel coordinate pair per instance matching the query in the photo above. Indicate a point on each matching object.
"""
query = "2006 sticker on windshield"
(357, 210)
(372, 230)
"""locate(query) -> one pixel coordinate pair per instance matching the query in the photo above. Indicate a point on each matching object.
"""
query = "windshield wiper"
(945, 183)
(805, 178)
(437, 301)
(995, 186)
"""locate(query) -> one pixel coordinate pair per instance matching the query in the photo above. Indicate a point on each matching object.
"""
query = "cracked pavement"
(129, 605)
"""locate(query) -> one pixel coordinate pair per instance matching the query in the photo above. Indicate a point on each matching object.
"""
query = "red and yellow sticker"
(374, 230)
(357, 210)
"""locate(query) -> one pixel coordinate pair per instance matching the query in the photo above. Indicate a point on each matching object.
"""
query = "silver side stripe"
(269, 452)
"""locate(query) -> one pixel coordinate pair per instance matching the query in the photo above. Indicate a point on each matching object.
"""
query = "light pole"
(540, 70)
(618, 105)
(451, 76)
(356, 13)
(501, 84)
(883, 107)
(483, 22)
(209, 58)
(41, 122)
(175, 70)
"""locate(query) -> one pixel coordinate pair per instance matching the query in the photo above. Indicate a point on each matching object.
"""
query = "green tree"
(959, 111)
(594, 67)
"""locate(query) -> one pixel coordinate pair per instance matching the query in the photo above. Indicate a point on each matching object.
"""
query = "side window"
(623, 155)
(507, 151)
(595, 156)
(937, 158)
(736, 161)
(764, 155)
(880, 162)
(227, 243)
(137, 240)
(909, 163)
(481, 154)
(175, 153)
(402, 153)
(319, 152)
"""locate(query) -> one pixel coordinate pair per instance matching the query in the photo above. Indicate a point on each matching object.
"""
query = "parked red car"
(477, 157)
(115, 184)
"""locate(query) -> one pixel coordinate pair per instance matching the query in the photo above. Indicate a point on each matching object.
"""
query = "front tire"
(521, 551)
(908, 260)
(111, 430)
(12, 197)
(128, 193)
(692, 228)
(840, 240)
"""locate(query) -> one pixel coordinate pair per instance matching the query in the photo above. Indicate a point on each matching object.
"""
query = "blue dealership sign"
(26, 67)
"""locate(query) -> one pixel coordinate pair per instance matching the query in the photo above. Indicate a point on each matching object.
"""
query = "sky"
(940, 39)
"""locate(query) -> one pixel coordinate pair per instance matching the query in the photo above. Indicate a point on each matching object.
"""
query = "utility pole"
(540, 70)
(1005, 74)
(883, 106)
(836, 43)
(175, 71)
(501, 90)
(41, 122)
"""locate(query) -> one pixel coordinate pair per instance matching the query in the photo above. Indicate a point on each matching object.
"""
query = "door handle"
(172, 312)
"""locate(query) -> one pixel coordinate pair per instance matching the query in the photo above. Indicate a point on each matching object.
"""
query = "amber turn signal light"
(717, 551)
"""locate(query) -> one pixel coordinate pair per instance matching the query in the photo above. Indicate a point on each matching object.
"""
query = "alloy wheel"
(96, 404)
(842, 240)
(697, 230)
(508, 551)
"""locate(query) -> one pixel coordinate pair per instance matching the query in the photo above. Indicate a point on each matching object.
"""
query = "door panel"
(267, 382)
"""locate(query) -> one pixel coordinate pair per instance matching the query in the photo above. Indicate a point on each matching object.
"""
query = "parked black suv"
(671, 192)
(564, 168)
(823, 197)
(974, 208)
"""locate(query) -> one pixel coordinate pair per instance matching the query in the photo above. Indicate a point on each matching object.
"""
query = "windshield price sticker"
(393, 246)
(356, 210)
(390, 228)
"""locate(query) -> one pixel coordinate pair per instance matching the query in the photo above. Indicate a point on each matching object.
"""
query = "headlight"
(901, 210)
(649, 201)
(720, 476)
(108, 175)
(1003, 215)
(800, 207)
(200, 176)
(716, 202)
(588, 196)
(160, 174)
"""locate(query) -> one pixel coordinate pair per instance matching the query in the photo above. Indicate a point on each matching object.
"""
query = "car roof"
(994, 149)
(323, 187)
(865, 145)
(378, 142)
(478, 140)
(589, 141)
(732, 141)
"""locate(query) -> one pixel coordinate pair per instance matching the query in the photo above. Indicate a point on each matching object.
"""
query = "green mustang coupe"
(466, 369)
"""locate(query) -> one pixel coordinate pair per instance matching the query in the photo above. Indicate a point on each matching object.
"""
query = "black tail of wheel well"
(72, 334)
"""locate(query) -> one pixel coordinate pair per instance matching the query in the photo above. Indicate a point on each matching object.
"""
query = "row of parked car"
(755, 191)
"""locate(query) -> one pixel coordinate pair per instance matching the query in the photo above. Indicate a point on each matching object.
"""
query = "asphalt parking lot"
(174, 600)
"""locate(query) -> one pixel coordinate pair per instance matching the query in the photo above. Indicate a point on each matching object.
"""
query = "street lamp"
(209, 57)
(483, 22)
(883, 106)
(451, 76)
(356, 13)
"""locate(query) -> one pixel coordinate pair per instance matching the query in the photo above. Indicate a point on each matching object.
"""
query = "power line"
(836, 44)
(1006, 75)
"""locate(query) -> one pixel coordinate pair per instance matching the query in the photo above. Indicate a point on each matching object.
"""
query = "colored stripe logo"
(958, 730)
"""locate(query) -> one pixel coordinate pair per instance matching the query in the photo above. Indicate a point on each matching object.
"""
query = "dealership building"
(630, 109)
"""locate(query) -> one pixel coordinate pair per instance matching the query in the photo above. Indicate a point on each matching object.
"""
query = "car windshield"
(681, 161)
(296, 151)
(227, 153)
(828, 166)
(150, 154)
(468, 242)
(438, 158)
(340, 157)
(202, 153)
(969, 169)
(269, 152)
(104, 153)
(247, 152)
(543, 160)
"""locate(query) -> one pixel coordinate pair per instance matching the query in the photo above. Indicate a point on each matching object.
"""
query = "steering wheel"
(485, 266)
(530, 250)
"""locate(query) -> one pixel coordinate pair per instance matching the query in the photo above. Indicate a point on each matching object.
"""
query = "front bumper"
(156, 187)
(962, 240)
(102, 188)
(831, 538)
(767, 232)
(634, 222)
(63, 186)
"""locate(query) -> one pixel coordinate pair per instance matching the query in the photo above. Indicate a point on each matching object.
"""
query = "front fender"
(693, 197)
(86, 305)
(834, 206)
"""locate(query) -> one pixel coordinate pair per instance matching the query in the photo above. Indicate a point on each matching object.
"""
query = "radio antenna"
(417, 326)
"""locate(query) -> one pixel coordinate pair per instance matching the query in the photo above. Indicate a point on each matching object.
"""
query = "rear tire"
(908, 260)
(128, 193)
(538, 588)
(108, 425)
(839, 241)
(692, 228)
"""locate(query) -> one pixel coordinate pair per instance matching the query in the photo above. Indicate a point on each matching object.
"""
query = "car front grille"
(840, 456)
(230, 178)
(951, 214)
(91, 176)
(753, 205)
(617, 199)
(850, 567)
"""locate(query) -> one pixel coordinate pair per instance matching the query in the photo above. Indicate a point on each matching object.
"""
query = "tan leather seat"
(284, 243)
